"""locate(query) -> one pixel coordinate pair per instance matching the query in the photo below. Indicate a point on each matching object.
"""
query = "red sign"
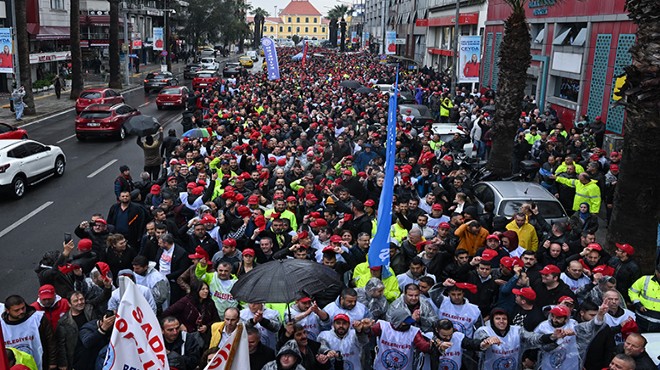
(422, 22)
(436, 51)
(468, 18)
(137, 44)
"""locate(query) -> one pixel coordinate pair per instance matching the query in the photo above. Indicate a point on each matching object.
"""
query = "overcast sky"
(321, 5)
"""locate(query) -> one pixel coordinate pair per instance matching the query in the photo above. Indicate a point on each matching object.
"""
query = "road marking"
(101, 169)
(24, 218)
(49, 117)
(143, 105)
(65, 139)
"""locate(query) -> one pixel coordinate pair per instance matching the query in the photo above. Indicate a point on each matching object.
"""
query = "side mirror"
(48, 148)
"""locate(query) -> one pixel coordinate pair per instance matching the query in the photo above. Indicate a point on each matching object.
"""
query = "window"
(272, 29)
(306, 19)
(539, 37)
(573, 34)
(567, 88)
(306, 29)
(297, 29)
(18, 152)
(323, 29)
(314, 19)
(265, 28)
(297, 19)
(314, 29)
(57, 4)
(282, 29)
(289, 29)
(289, 20)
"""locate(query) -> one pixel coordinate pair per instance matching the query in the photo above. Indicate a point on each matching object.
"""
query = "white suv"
(26, 162)
(209, 63)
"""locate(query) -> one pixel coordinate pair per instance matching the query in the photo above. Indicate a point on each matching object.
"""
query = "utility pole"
(127, 48)
(383, 27)
(17, 68)
(455, 57)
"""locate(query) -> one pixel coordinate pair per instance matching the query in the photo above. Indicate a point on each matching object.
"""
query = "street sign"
(400, 41)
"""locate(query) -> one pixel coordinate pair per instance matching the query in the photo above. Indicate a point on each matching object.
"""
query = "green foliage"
(295, 39)
(215, 21)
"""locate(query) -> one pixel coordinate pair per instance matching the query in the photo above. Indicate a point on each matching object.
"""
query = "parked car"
(508, 196)
(252, 54)
(204, 79)
(158, 80)
(97, 96)
(25, 162)
(190, 69)
(406, 96)
(246, 61)
(209, 63)
(175, 96)
(231, 70)
(447, 132)
(10, 132)
(421, 113)
(101, 120)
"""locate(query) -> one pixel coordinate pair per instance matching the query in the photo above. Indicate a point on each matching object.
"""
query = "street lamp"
(167, 38)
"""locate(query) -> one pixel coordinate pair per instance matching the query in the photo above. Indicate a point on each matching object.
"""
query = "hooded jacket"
(54, 312)
(527, 237)
(426, 312)
(290, 348)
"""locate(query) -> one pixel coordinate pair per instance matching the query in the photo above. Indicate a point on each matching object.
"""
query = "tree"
(335, 14)
(513, 66)
(260, 16)
(636, 211)
(77, 84)
(114, 79)
(24, 57)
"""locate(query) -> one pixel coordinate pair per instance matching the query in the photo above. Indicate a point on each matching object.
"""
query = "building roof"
(250, 19)
(300, 7)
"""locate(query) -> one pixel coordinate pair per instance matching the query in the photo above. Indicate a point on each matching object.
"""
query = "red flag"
(4, 361)
(304, 53)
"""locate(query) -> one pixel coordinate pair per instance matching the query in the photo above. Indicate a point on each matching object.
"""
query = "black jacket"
(136, 221)
(261, 356)
(626, 273)
(546, 297)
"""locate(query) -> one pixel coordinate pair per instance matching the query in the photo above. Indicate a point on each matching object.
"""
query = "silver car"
(508, 196)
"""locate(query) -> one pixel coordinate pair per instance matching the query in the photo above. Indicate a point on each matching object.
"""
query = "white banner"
(390, 42)
(470, 58)
(136, 341)
(234, 354)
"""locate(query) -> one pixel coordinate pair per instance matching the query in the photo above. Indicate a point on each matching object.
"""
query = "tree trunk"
(77, 84)
(636, 211)
(114, 80)
(333, 32)
(342, 31)
(513, 63)
(24, 57)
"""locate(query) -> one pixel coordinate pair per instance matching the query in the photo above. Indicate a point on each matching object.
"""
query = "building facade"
(300, 18)
(579, 48)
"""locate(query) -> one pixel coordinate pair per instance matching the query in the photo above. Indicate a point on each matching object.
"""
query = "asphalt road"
(37, 223)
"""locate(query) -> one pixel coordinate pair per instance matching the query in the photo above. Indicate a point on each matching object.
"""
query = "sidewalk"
(47, 104)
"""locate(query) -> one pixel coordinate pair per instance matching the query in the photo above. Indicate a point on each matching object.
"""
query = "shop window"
(567, 88)
(571, 34)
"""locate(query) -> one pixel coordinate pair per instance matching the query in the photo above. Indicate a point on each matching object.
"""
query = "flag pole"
(234, 345)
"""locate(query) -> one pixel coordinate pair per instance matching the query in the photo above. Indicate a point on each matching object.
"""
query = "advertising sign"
(390, 42)
(470, 58)
(158, 38)
(6, 49)
(270, 54)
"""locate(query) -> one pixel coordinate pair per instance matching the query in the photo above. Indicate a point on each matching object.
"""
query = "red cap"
(229, 242)
(488, 254)
(467, 286)
(191, 185)
(493, 236)
(103, 268)
(260, 222)
(362, 174)
(369, 203)
(281, 162)
(526, 292)
(348, 172)
(595, 247)
(171, 178)
(311, 197)
(444, 225)
(155, 189)
(208, 219)
(248, 252)
(319, 223)
(614, 154)
(604, 269)
(85, 245)
(560, 311)
(302, 235)
(335, 239)
(565, 298)
(101, 221)
(594, 157)
(291, 199)
(614, 167)
(342, 316)
(627, 248)
(239, 198)
(197, 190)
(200, 253)
(47, 292)
(327, 249)
(436, 207)
(315, 215)
(244, 211)
(550, 269)
(253, 199)
(304, 299)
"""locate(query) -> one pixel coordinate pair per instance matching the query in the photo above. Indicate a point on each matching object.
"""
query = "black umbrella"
(283, 281)
(365, 90)
(351, 84)
(142, 125)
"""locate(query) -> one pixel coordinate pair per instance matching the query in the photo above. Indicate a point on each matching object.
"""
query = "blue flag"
(271, 58)
(379, 252)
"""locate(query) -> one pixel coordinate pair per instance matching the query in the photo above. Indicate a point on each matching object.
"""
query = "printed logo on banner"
(447, 364)
(504, 363)
(394, 359)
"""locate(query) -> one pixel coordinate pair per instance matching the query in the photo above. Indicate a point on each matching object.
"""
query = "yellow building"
(300, 18)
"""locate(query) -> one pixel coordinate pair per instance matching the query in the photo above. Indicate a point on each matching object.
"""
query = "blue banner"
(271, 58)
(379, 252)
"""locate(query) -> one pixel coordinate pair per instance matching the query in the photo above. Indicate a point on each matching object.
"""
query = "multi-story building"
(299, 18)
(579, 48)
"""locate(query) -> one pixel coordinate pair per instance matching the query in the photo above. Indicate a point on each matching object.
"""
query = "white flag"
(234, 354)
(136, 341)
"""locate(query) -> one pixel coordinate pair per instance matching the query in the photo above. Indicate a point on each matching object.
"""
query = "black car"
(232, 70)
(158, 80)
(190, 70)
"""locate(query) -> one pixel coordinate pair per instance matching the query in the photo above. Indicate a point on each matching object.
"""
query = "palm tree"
(77, 83)
(636, 211)
(24, 57)
(335, 14)
(114, 79)
(260, 16)
(511, 90)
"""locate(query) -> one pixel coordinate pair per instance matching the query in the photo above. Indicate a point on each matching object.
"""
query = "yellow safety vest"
(646, 290)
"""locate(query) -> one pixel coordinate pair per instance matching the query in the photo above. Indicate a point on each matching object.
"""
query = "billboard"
(158, 38)
(6, 51)
(270, 54)
(469, 58)
(390, 42)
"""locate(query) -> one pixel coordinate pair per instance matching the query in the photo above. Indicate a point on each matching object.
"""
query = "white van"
(252, 54)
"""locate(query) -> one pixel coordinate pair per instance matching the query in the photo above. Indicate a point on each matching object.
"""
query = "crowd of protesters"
(293, 168)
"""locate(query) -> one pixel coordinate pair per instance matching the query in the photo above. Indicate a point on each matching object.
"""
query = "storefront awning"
(48, 32)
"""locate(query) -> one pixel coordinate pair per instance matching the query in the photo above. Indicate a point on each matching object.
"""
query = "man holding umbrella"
(263, 319)
(220, 283)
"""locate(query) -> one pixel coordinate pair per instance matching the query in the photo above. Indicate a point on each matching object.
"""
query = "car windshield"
(207, 60)
(232, 65)
(90, 95)
(204, 75)
(170, 92)
(95, 114)
(546, 208)
(152, 76)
